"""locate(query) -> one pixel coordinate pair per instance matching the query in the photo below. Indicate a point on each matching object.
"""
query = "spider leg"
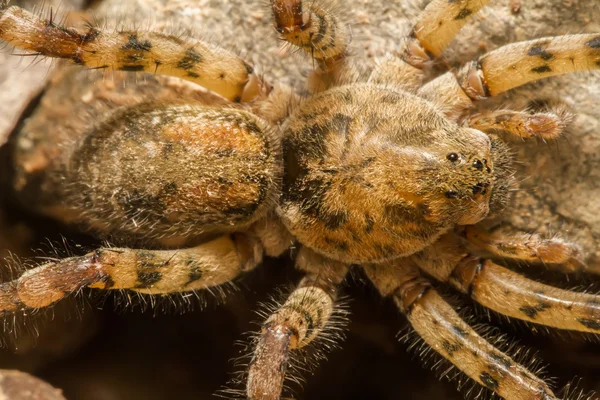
(513, 295)
(527, 247)
(318, 31)
(510, 66)
(207, 65)
(444, 331)
(436, 27)
(546, 125)
(146, 271)
(304, 316)
(507, 292)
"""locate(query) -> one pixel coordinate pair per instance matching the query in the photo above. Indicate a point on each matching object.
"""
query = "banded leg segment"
(507, 292)
(435, 29)
(146, 271)
(528, 247)
(519, 63)
(207, 65)
(511, 66)
(513, 295)
(444, 331)
(547, 125)
(304, 316)
(439, 23)
(318, 31)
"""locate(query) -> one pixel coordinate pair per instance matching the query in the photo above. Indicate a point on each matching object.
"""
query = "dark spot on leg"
(193, 75)
(323, 25)
(77, 59)
(594, 43)
(170, 188)
(464, 13)
(338, 244)
(251, 127)
(538, 50)
(459, 331)
(148, 260)
(195, 273)
(249, 68)
(147, 279)
(391, 98)
(134, 44)
(541, 69)
(133, 58)
(531, 312)
(91, 35)
(589, 323)
(108, 282)
(340, 123)
(451, 348)
(488, 381)
(310, 324)
(189, 61)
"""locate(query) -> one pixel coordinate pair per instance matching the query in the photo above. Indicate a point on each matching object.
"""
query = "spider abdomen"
(169, 173)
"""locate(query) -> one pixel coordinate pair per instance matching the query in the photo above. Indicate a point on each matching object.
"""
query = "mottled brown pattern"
(380, 171)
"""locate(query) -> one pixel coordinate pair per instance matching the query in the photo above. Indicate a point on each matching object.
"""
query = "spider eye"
(452, 157)
(451, 194)
(477, 164)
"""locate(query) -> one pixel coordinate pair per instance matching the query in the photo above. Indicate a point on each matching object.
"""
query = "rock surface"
(16, 385)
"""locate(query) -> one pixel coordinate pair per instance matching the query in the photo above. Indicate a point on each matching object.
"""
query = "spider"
(387, 173)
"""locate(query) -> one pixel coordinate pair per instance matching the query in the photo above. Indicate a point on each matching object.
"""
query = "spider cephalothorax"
(384, 175)
(384, 172)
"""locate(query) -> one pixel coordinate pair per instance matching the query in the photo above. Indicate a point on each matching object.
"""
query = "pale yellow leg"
(444, 331)
(207, 65)
(519, 63)
(146, 271)
(436, 27)
(513, 295)
(304, 316)
(511, 66)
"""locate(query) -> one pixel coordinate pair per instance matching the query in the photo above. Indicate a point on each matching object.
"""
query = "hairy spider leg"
(317, 30)
(146, 271)
(513, 295)
(438, 324)
(304, 317)
(509, 293)
(436, 27)
(207, 65)
(529, 247)
(544, 125)
(511, 66)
